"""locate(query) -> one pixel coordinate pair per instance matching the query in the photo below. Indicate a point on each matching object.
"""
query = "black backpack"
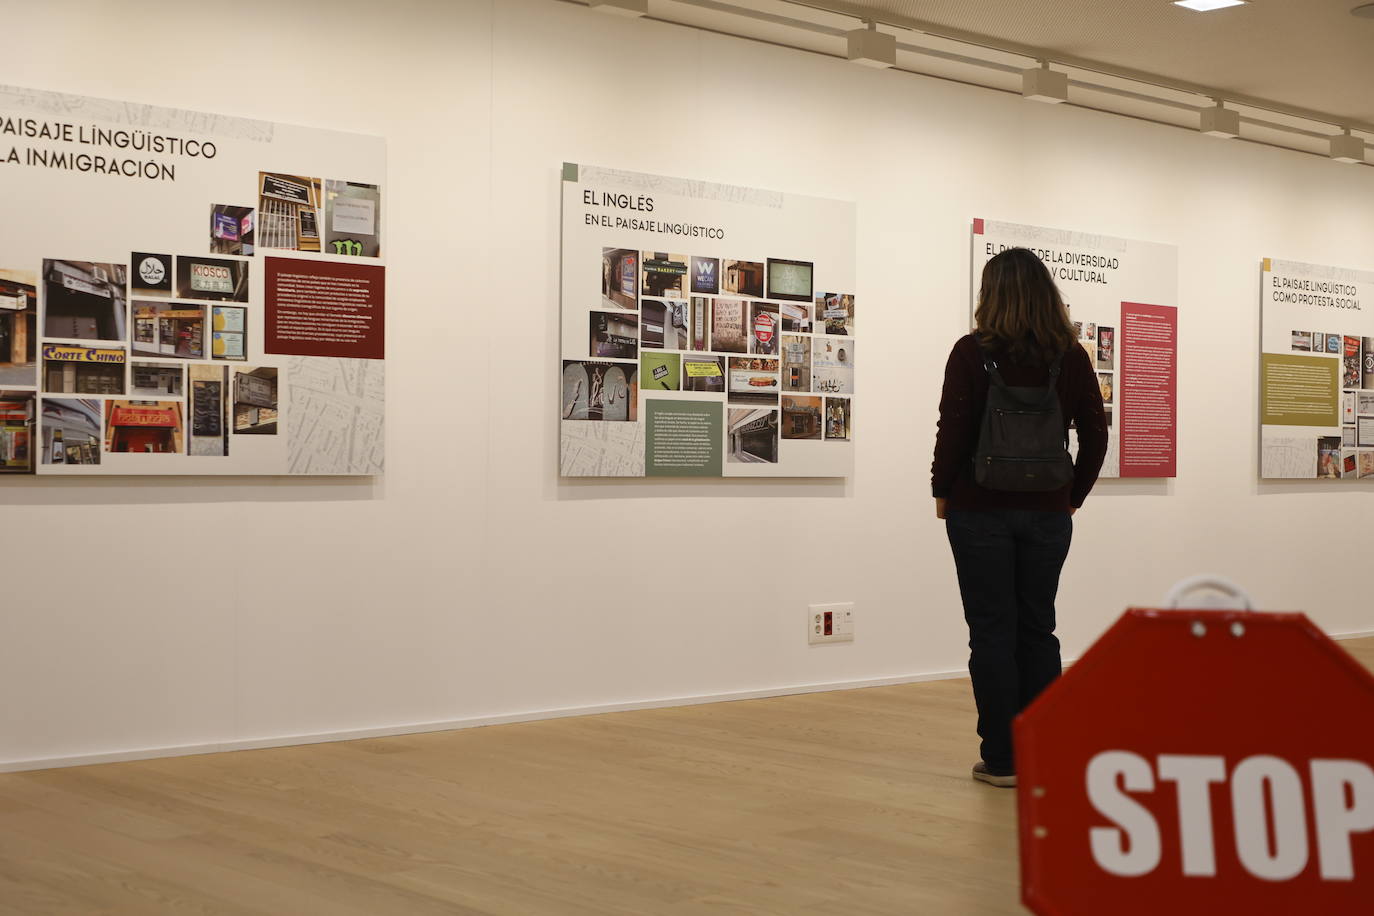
(1022, 445)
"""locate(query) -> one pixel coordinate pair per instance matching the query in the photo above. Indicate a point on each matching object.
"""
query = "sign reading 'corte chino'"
(68, 354)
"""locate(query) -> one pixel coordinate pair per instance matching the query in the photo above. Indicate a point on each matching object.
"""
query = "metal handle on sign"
(1216, 583)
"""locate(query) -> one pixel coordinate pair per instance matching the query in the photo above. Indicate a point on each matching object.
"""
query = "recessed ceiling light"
(1206, 6)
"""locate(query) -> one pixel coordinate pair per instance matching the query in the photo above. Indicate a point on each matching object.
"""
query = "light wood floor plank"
(851, 803)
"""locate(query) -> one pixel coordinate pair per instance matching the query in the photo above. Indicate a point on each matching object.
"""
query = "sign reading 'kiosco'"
(1201, 762)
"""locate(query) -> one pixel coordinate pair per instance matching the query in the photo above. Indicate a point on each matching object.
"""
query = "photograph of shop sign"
(1217, 789)
(666, 282)
(211, 300)
(1122, 296)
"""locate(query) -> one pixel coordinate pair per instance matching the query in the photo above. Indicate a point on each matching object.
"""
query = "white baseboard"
(1358, 634)
(386, 731)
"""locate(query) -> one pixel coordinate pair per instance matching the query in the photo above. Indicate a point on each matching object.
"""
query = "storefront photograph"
(71, 431)
(835, 314)
(83, 300)
(352, 219)
(229, 337)
(231, 230)
(832, 366)
(839, 418)
(753, 436)
(212, 278)
(619, 278)
(665, 275)
(69, 369)
(706, 275)
(763, 326)
(151, 427)
(743, 278)
(155, 380)
(699, 324)
(209, 411)
(613, 335)
(255, 401)
(600, 391)
(152, 274)
(16, 432)
(801, 417)
(796, 363)
(703, 373)
(790, 279)
(728, 321)
(288, 212)
(663, 324)
(796, 317)
(163, 329)
(753, 380)
(18, 327)
(660, 371)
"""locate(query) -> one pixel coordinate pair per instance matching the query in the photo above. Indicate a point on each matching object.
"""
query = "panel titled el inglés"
(707, 330)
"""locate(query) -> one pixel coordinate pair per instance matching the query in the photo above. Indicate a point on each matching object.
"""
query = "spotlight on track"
(1041, 84)
(872, 48)
(1219, 121)
(621, 7)
(1347, 148)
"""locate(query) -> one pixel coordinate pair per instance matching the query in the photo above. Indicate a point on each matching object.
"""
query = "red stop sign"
(763, 327)
(1200, 762)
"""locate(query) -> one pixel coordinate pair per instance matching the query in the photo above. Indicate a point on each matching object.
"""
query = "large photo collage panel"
(755, 333)
(152, 355)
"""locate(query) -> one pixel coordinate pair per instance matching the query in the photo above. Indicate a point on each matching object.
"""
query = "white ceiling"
(1296, 70)
(1305, 54)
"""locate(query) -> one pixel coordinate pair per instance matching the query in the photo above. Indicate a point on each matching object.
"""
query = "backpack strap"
(990, 365)
(995, 377)
(1052, 387)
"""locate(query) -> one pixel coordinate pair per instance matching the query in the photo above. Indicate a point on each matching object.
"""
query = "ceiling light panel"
(1206, 6)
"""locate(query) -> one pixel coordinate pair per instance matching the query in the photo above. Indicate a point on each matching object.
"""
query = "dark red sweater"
(961, 416)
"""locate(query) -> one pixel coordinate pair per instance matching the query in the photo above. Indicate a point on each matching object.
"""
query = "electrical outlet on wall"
(827, 623)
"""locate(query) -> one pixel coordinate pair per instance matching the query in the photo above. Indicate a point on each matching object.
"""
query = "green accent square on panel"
(683, 438)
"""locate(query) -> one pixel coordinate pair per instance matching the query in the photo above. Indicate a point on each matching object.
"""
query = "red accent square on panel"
(325, 308)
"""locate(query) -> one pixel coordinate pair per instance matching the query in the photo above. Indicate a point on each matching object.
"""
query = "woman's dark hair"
(1020, 312)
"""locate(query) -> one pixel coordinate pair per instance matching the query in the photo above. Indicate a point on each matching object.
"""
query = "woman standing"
(1010, 545)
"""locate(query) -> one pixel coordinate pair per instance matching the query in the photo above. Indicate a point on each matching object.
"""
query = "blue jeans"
(1008, 563)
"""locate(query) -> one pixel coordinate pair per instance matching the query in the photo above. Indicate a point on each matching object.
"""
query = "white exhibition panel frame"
(607, 210)
(1316, 371)
(85, 182)
(1111, 284)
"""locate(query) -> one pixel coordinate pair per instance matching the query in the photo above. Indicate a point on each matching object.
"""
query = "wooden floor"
(853, 803)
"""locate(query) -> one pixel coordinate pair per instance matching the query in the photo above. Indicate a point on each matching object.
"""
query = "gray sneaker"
(982, 774)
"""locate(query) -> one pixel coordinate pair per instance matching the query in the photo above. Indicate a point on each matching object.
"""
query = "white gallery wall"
(470, 583)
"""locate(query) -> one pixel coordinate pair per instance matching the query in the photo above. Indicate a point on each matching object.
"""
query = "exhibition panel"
(1122, 297)
(1316, 372)
(704, 355)
(200, 245)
